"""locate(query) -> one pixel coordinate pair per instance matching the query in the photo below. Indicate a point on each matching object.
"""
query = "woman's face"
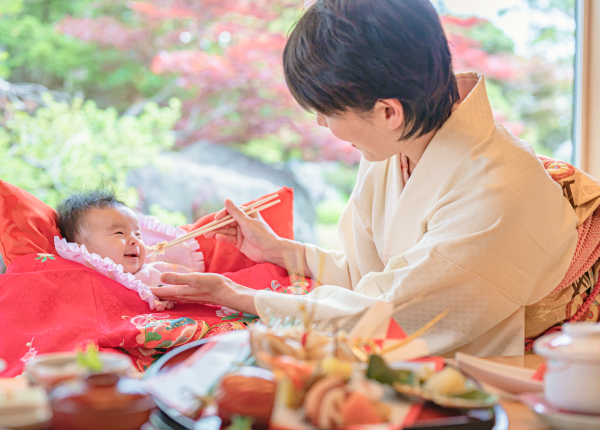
(374, 134)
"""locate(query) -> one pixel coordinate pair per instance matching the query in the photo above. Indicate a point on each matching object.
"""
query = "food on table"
(293, 378)
(290, 340)
(359, 409)
(90, 358)
(249, 396)
(447, 387)
(23, 406)
(304, 391)
(447, 381)
(315, 397)
(335, 366)
(100, 402)
(334, 401)
(49, 369)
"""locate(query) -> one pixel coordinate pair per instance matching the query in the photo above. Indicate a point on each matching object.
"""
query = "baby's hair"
(72, 210)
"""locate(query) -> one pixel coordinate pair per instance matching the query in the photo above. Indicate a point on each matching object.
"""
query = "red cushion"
(221, 257)
(27, 225)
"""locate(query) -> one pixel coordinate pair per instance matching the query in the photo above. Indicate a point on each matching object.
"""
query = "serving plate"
(432, 417)
(557, 418)
(512, 379)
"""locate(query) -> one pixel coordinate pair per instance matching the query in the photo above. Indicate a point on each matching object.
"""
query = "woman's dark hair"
(72, 210)
(347, 54)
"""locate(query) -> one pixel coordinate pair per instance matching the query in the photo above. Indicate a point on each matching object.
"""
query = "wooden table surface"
(519, 416)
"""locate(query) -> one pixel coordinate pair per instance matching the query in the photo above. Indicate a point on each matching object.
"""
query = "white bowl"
(572, 378)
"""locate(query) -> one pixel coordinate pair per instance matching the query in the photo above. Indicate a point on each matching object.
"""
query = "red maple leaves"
(222, 53)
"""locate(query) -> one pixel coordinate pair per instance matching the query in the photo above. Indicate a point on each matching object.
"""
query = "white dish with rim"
(556, 418)
(52, 368)
(23, 407)
(512, 379)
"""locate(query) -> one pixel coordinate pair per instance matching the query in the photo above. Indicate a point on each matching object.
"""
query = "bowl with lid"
(100, 402)
(571, 381)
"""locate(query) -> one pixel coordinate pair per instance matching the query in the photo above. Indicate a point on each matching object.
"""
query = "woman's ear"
(390, 111)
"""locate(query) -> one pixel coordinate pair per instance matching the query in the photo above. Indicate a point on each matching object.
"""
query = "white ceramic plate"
(558, 419)
(32, 419)
(512, 379)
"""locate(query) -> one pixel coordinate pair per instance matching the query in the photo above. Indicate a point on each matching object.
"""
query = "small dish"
(23, 407)
(572, 367)
(559, 419)
(443, 392)
(98, 402)
(512, 379)
(475, 399)
(49, 369)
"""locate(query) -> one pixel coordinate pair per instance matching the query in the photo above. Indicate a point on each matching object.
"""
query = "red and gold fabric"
(50, 304)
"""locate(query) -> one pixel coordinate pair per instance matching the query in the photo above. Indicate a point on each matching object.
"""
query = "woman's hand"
(250, 234)
(206, 288)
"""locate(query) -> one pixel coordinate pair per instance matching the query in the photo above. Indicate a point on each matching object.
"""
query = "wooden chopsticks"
(217, 224)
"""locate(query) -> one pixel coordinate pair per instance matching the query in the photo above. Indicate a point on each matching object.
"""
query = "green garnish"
(240, 423)
(90, 359)
(473, 395)
(381, 372)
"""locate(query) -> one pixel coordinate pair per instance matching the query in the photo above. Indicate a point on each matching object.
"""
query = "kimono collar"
(467, 126)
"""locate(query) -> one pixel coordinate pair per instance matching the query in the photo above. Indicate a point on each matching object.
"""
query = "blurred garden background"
(182, 103)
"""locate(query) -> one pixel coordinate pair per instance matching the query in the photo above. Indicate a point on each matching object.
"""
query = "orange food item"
(249, 396)
(314, 397)
(297, 371)
(359, 409)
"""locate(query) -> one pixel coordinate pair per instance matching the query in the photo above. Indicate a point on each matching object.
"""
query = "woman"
(450, 211)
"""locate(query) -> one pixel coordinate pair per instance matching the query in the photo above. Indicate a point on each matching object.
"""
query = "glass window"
(526, 50)
(222, 61)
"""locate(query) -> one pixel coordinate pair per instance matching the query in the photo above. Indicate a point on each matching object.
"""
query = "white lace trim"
(105, 266)
(152, 223)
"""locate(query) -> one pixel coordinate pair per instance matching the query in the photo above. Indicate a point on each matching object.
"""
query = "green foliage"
(37, 52)
(493, 40)
(169, 217)
(343, 177)
(269, 150)
(63, 147)
(240, 423)
(329, 211)
(4, 70)
(33, 44)
(535, 99)
(498, 100)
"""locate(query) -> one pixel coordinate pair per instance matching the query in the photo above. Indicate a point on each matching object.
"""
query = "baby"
(107, 227)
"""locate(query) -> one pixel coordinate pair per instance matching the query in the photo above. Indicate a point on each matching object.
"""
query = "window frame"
(587, 89)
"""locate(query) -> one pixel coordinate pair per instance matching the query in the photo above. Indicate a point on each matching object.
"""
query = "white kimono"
(480, 229)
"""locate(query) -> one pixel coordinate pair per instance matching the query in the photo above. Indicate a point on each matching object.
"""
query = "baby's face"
(114, 232)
